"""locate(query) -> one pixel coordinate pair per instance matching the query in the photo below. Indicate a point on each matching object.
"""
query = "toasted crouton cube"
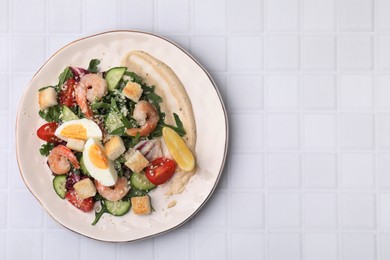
(114, 147)
(136, 161)
(141, 205)
(85, 188)
(132, 91)
(47, 98)
(75, 144)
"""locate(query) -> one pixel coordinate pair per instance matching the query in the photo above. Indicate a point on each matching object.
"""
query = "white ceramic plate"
(211, 146)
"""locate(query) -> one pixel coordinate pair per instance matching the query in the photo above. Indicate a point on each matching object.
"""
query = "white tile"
(356, 15)
(210, 16)
(283, 171)
(246, 92)
(247, 213)
(31, 238)
(5, 166)
(215, 213)
(382, 10)
(173, 16)
(320, 246)
(141, 249)
(242, 174)
(355, 52)
(68, 23)
(356, 91)
(356, 131)
(320, 210)
(16, 182)
(205, 47)
(357, 210)
(3, 244)
(282, 246)
(4, 131)
(18, 85)
(23, 202)
(4, 15)
(319, 92)
(383, 170)
(283, 131)
(312, 58)
(251, 10)
(98, 249)
(4, 52)
(28, 16)
(319, 131)
(384, 211)
(358, 247)
(319, 15)
(100, 15)
(282, 15)
(319, 171)
(164, 246)
(383, 91)
(246, 53)
(383, 52)
(23, 58)
(138, 15)
(56, 239)
(248, 246)
(383, 246)
(282, 92)
(3, 213)
(4, 98)
(357, 170)
(282, 52)
(243, 127)
(382, 128)
(283, 210)
(210, 246)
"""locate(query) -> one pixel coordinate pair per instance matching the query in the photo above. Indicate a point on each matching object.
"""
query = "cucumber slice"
(113, 76)
(117, 208)
(83, 168)
(67, 114)
(59, 183)
(113, 121)
(139, 181)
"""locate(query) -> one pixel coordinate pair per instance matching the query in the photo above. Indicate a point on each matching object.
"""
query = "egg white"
(106, 177)
(93, 130)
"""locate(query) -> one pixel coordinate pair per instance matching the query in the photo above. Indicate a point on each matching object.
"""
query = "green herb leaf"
(135, 140)
(43, 88)
(134, 77)
(51, 114)
(99, 214)
(99, 105)
(93, 65)
(64, 76)
(46, 148)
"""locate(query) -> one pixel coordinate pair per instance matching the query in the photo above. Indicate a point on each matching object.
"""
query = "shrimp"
(146, 115)
(59, 159)
(115, 193)
(91, 87)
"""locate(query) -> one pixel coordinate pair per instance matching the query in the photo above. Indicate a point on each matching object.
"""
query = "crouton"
(75, 144)
(114, 147)
(85, 188)
(141, 205)
(132, 91)
(136, 161)
(47, 98)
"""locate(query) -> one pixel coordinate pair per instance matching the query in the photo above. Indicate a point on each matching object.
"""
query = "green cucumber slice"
(83, 168)
(113, 121)
(67, 114)
(59, 183)
(118, 208)
(139, 181)
(113, 76)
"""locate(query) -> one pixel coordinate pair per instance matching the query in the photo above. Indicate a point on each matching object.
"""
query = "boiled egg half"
(81, 129)
(97, 163)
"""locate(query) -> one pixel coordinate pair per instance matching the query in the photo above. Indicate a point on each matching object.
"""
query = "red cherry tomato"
(66, 95)
(160, 170)
(85, 205)
(46, 132)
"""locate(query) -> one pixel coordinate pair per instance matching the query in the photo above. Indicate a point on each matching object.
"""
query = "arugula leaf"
(64, 76)
(93, 65)
(179, 128)
(46, 148)
(51, 114)
(134, 77)
(99, 214)
(100, 104)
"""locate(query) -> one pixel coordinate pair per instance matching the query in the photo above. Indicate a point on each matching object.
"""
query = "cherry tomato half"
(46, 132)
(160, 170)
(85, 205)
(66, 95)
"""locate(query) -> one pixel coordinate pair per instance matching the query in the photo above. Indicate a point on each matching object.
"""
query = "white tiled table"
(307, 87)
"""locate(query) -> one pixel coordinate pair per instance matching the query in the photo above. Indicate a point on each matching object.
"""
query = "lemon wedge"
(178, 149)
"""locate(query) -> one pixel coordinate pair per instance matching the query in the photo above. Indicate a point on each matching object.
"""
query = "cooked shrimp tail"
(60, 158)
(116, 192)
(147, 116)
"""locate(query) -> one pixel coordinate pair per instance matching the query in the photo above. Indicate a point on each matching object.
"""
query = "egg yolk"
(74, 131)
(98, 157)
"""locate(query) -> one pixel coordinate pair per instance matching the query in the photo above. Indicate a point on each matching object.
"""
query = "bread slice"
(47, 98)
(132, 91)
(141, 205)
(85, 188)
(114, 147)
(136, 161)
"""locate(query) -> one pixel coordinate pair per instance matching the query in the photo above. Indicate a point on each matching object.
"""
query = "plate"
(211, 146)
